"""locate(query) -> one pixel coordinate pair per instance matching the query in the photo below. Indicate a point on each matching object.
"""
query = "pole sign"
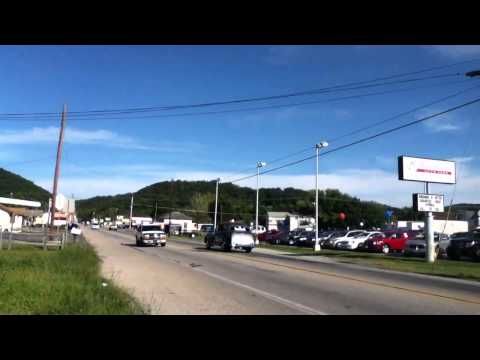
(426, 170)
(428, 202)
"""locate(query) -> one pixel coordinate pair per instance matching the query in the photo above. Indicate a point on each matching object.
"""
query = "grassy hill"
(21, 188)
(197, 199)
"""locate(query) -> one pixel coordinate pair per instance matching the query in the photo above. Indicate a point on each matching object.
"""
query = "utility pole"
(171, 205)
(57, 164)
(156, 210)
(317, 151)
(131, 212)
(259, 165)
(428, 233)
(216, 204)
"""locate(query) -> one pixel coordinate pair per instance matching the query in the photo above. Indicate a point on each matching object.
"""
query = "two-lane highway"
(215, 282)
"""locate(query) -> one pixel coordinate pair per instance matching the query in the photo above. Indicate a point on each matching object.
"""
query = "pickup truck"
(231, 236)
(149, 234)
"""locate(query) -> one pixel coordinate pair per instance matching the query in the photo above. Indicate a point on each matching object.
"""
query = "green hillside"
(21, 188)
(197, 199)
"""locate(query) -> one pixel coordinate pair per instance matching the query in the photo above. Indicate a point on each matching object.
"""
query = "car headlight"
(147, 236)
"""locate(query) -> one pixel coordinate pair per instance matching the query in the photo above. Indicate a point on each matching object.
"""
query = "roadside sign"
(388, 214)
(428, 202)
(426, 170)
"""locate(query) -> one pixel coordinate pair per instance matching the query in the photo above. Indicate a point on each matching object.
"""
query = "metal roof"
(176, 215)
(21, 211)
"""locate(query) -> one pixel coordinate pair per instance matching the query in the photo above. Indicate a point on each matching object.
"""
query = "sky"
(127, 152)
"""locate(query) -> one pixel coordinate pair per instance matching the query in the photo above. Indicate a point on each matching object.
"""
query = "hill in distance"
(21, 188)
(197, 199)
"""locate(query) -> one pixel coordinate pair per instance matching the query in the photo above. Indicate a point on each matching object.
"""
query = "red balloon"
(342, 216)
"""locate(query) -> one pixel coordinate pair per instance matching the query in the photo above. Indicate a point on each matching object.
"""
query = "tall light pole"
(216, 205)
(259, 165)
(131, 212)
(320, 145)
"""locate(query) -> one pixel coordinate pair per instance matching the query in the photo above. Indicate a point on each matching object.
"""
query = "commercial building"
(178, 218)
(14, 213)
(281, 220)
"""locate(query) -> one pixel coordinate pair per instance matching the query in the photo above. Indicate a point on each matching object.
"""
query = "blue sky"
(121, 155)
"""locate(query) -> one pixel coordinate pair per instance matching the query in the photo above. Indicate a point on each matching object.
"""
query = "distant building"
(178, 218)
(472, 216)
(282, 220)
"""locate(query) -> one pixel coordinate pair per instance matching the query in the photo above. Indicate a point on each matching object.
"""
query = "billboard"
(428, 202)
(426, 170)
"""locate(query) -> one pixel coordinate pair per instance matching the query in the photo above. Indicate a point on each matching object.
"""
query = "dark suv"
(467, 245)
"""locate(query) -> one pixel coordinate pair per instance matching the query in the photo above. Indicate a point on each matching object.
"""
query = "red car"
(392, 240)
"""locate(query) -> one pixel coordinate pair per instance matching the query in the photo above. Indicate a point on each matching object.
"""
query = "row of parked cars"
(408, 242)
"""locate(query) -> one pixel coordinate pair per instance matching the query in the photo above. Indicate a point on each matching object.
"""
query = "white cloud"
(463, 160)
(456, 51)
(102, 137)
(375, 185)
(442, 123)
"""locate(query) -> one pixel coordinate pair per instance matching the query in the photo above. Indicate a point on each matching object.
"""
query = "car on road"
(388, 241)
(150, 234)
(113, 227)
(467, 244)
(353, 242)
(95, 226)
(230, 236)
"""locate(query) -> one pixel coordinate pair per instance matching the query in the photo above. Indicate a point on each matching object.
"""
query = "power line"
(336, 88)
(278, 106)
(354, 132)
(363, 139)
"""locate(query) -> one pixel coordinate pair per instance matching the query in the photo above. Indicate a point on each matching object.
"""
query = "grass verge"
(33, 281)
(447, 268)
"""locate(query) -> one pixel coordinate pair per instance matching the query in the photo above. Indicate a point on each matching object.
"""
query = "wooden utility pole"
(57, 164)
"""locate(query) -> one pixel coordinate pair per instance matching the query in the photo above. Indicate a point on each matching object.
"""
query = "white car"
(353, 242)
(343, 236)
(261, 229)
(150, 234)
(95, 226)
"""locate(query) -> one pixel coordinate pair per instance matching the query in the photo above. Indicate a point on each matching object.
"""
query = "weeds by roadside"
(33, 281)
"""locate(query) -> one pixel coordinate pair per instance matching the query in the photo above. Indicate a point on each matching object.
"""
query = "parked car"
(113, 227)
(388, 241)
(231, 236)
(341, 236)
(324, 236)
(467, 244)
(150, 234)
(278, 237)
(417, 246)
(355, 241)
(95, 226)
(306, 239)
(294, 235)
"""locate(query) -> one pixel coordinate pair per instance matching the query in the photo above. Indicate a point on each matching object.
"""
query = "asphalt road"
(259, 283)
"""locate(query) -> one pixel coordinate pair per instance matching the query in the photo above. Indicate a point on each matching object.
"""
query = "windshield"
(339, 234)
(151, 228)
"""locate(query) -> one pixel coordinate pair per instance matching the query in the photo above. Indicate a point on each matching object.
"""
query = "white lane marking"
(283, 301)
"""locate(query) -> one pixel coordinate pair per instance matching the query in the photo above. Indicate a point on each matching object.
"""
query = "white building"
(448, 227)
(12, 217)
(277, 220)
(178, 218)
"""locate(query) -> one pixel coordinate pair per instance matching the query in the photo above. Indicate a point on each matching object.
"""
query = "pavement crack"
(193, 265)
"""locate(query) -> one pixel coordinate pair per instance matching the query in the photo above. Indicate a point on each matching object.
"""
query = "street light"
(259, 165)
(216, 204)
(320, 145)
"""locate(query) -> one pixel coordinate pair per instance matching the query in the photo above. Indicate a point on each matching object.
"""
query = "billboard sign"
(428, 202)
(426, 170)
